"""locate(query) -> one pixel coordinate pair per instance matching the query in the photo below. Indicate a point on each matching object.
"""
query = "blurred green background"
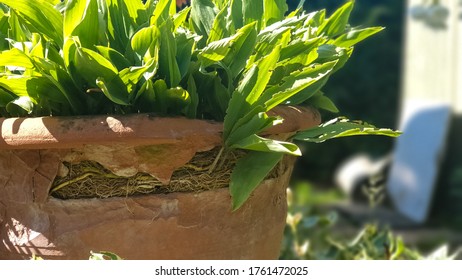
(367, 88)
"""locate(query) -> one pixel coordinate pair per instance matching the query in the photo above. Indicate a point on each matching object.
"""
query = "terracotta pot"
(197, 225)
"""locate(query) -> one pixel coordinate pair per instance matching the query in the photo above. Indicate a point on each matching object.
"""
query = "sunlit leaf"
(341, 127)
(249, 173)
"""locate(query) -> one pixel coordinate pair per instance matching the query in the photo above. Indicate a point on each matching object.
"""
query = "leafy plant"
(308, 235)
(226, 60)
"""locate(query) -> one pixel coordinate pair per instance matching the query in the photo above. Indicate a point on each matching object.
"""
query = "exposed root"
(89, 179)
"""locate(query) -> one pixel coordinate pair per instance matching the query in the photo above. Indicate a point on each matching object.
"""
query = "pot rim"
(135, 129)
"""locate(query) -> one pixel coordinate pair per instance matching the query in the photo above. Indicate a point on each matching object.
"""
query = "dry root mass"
(88, 179)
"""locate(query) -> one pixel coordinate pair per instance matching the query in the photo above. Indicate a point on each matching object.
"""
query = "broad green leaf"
(63, 82)
(113, 91)
(257, 143)
(299, 52)
(243, 120)
(203, 14)
(215, 51)
(39, 16)
(327, 53)
(16, 30)
(341, 127)
(337, 22)
(34, 87)
(219, 28)
(180, 18)
(38, 46)
(185, 47)
(137, 12)
(265, 67)
(81, 19)
(92, 71)
(230, 50)
(213, 95)
(172, 99)
(267, 43)
(132, 75)
(146, 99)
(249, 172)
(274, 11)
(92, 65)
(242, 48)
(252, 11)
(323, 102)
(295, 83)
(191, 109)
(119, 61)
(120, 25)
(288, 23)
(355, 36)
(20, 106)
(144, 42)
(162, 11)
(235, 14)
(256, 124)
(168, 66)
(17, 58)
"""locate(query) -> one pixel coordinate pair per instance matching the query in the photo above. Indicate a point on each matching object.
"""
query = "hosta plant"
(224, 60)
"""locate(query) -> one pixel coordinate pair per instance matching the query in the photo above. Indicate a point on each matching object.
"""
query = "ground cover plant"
(224, 60)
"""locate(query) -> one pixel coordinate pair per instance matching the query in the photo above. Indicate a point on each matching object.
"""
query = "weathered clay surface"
(172, 226)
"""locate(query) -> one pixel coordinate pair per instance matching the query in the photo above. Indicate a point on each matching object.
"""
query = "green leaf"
(162, 11)
(249, 125)
(180, 18)
(219, 28)
(228, 49)
(274, 11)
(264, 67)
(235, 16)
(168, 66)
(81, 19)
(257, 143)
(121, 25)
(203, 14)
(111, 90)
(145, 41)
(191, 108)
(215, 51)
(243, 47)
(172, 99)
(17, 31)
(323, 102)
(249, 172)
(297, 82)
(119, 61)
(185, 47)
(337, 22)
(132, 75)
(20, 106)
(17, 58)
(39, 16)
(355, 36)
(341, 127)
(92, 65)
(252, 11)
(146, 99)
